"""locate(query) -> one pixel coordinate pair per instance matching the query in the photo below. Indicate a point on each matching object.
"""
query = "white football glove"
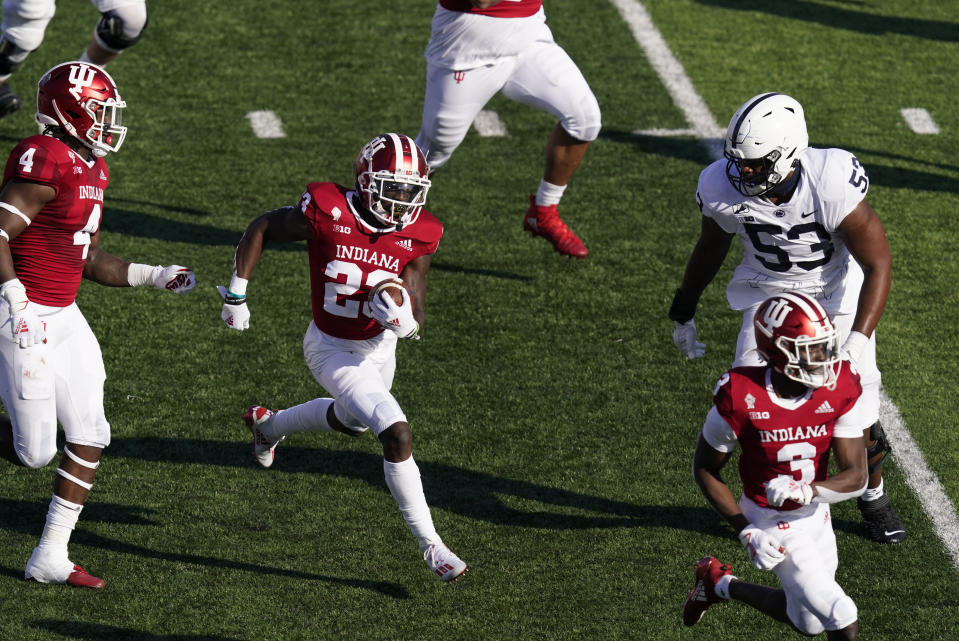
(684, 335)
(764, 550)
(26, 328)
(235, 313)
(784, 488)
(175, 278)
(396, 318)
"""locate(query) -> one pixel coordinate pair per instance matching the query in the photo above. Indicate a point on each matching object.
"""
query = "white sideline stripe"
(672, 75)
(266, 124)
(665, 133)
(489, 125)
(919, 120)
(920, 478)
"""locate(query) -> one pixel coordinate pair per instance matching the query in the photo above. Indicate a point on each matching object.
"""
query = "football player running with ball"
(52, 369)
(786, 417)
(805, 225)
(356, 239)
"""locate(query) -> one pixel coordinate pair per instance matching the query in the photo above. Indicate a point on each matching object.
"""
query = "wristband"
(238, 286)
(139, 274)
(14, 292)
(855, 343)
(231, 298)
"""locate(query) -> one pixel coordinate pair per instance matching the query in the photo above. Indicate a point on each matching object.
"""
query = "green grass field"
(554, 420)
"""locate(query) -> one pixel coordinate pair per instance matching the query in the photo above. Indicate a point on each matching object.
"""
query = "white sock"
(873, 493)
(549, 194)
(305, 417)
(722, 586)
(85, 57)
(405, 485)
(61, 519)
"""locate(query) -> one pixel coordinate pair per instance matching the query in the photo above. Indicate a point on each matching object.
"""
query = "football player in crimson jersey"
(805, 225)
(787, 416)
(51, 203)
(479, 48)
(356, 238)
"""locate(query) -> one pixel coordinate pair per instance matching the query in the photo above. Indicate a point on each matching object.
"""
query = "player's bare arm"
(414, 278)
(707, 467)
(851, 479)
(866, 239)
(104, 268)
(706, 258)
(23, 199)
(283, 225)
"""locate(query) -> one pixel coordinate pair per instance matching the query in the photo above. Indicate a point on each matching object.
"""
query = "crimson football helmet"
(392, 179)
(767, 134)
(82, 98)
(796, 337)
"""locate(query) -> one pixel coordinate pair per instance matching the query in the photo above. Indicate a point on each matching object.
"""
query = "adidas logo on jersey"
(406, 244)
(103, 176)
(825, 408)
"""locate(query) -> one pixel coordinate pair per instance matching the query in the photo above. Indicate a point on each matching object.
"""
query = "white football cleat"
(446, 565)
(262, 445)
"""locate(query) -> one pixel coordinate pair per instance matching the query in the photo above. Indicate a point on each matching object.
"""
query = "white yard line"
(489, 125)
(919, 120)
(911, 462)
(266, 124)
(921, 479)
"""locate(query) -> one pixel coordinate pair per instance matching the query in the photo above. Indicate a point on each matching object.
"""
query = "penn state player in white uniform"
(805, 226)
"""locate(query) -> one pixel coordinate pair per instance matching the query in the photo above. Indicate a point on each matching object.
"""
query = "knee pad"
(880, 447)
(844, 613)
(37, 459)
(446, 134)
(122, 27)
(586, 122)
(11, 57)
(26, 23)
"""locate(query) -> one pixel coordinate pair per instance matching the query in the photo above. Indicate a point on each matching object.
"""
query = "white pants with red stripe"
(59, 380)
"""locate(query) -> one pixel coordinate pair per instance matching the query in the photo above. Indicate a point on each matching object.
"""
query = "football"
(392, 286)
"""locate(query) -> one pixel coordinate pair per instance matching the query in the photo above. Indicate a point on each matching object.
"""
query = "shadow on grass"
(692, 149)
(847, 19)
(26, 517)
(474, 271)
(472, 494)
(100, 632)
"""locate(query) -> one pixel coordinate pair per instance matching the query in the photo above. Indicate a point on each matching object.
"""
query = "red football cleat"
(263, 446)
(80, 578)
(708, 571)
(545, 222)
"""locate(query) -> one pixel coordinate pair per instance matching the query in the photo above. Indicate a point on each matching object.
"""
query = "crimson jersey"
(504, 9)
(346, 260)
(783, 436)
(50, 253)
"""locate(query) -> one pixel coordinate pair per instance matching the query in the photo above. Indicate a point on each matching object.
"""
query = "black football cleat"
(881, 521)
(10, 102)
